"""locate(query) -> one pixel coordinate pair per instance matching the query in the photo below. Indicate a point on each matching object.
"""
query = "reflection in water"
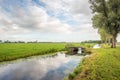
(45, 68)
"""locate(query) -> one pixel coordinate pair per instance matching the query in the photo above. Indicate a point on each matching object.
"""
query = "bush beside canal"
(103, 64)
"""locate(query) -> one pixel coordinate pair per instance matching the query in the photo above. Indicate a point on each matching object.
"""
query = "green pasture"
(12, 51)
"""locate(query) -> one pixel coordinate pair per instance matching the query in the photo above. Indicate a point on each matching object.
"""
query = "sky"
(46, 20)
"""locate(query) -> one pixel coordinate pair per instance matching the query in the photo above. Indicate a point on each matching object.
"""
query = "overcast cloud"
(46, 20)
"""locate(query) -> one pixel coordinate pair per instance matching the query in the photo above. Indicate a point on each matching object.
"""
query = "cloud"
(73, 8)
(35, 18)
(61, 17)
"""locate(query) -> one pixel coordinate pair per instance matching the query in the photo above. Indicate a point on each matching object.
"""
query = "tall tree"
(107, 17)
(105, 37)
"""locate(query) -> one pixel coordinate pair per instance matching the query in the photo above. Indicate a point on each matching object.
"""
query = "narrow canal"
(54, 67)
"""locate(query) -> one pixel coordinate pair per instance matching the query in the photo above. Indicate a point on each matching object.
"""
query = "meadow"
(12, 51)
(103, 64)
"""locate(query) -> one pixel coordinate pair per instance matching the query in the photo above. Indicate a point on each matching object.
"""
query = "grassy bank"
(12, 51)
(103, 64)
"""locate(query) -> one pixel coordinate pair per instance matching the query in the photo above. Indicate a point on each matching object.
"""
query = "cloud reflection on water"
(49, 68)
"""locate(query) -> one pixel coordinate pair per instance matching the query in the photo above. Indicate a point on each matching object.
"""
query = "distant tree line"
(8, 41)
(89, 41)
(92, 41)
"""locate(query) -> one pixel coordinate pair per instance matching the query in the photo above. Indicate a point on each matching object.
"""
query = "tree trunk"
(113, 42)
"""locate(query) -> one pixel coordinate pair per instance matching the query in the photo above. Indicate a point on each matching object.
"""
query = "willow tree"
(107, 16)
(105, 37)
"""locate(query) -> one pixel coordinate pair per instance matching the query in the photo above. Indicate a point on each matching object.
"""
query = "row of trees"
(106, 18)
(92, 41)
(8, 41)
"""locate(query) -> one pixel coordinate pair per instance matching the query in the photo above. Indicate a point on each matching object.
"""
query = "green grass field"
(12, 51)
(103, 64)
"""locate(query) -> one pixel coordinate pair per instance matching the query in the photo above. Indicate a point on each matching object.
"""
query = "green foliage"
(12, 51)
(105, 45)
(69, 45)
(107, 17)
(87, 45)
(105, 37)
(87, 51)
(71, 76)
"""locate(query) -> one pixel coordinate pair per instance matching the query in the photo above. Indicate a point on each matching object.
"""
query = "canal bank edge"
(102, 64)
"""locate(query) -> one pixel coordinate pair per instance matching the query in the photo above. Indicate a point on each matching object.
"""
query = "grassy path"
(103, 64)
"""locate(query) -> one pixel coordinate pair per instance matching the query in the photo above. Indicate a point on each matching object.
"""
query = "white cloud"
(75, 8)
(20, 21)
(37, 18)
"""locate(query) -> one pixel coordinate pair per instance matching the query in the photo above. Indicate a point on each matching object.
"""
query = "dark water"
(40, 68)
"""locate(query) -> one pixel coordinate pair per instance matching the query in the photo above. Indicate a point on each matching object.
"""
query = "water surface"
(40, 68)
